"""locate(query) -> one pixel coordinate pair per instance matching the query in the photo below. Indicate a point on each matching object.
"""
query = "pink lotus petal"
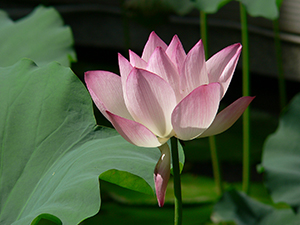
(151, 101)
(176, 53)
(162, 174)
(153, 42)
(133, 132)
(171, 47)
(180, 57)
(194, 73)
(136, 61)
(124, 66)
(194, 114)
(221, 66)
(106, 91)
(228, 116)
(160, 64)
(125, 69)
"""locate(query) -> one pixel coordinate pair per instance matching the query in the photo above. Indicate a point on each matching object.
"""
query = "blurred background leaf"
(238, 207)
(181, 7)
(281, 157)
(265, 8)
(241, 209)
(40, 36)
(210, 6)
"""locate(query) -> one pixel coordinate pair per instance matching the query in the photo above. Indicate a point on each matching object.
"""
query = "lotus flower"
(166, 93)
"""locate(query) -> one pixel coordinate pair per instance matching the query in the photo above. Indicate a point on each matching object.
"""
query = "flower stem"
(212, 139)
(177, 182)
(246, 92)
(281, 81)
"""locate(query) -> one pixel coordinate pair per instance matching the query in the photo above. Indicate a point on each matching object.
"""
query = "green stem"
(281, 80)
(246, 92)
(212, 139)
(177, 182)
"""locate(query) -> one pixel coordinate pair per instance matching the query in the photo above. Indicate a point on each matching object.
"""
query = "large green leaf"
(51, 151)
(281, 157)
(243, 210)
(40, 36)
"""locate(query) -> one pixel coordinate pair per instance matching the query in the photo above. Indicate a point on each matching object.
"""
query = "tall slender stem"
(246, 92)
(177, 182)
(212, 139)
(281, 80)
